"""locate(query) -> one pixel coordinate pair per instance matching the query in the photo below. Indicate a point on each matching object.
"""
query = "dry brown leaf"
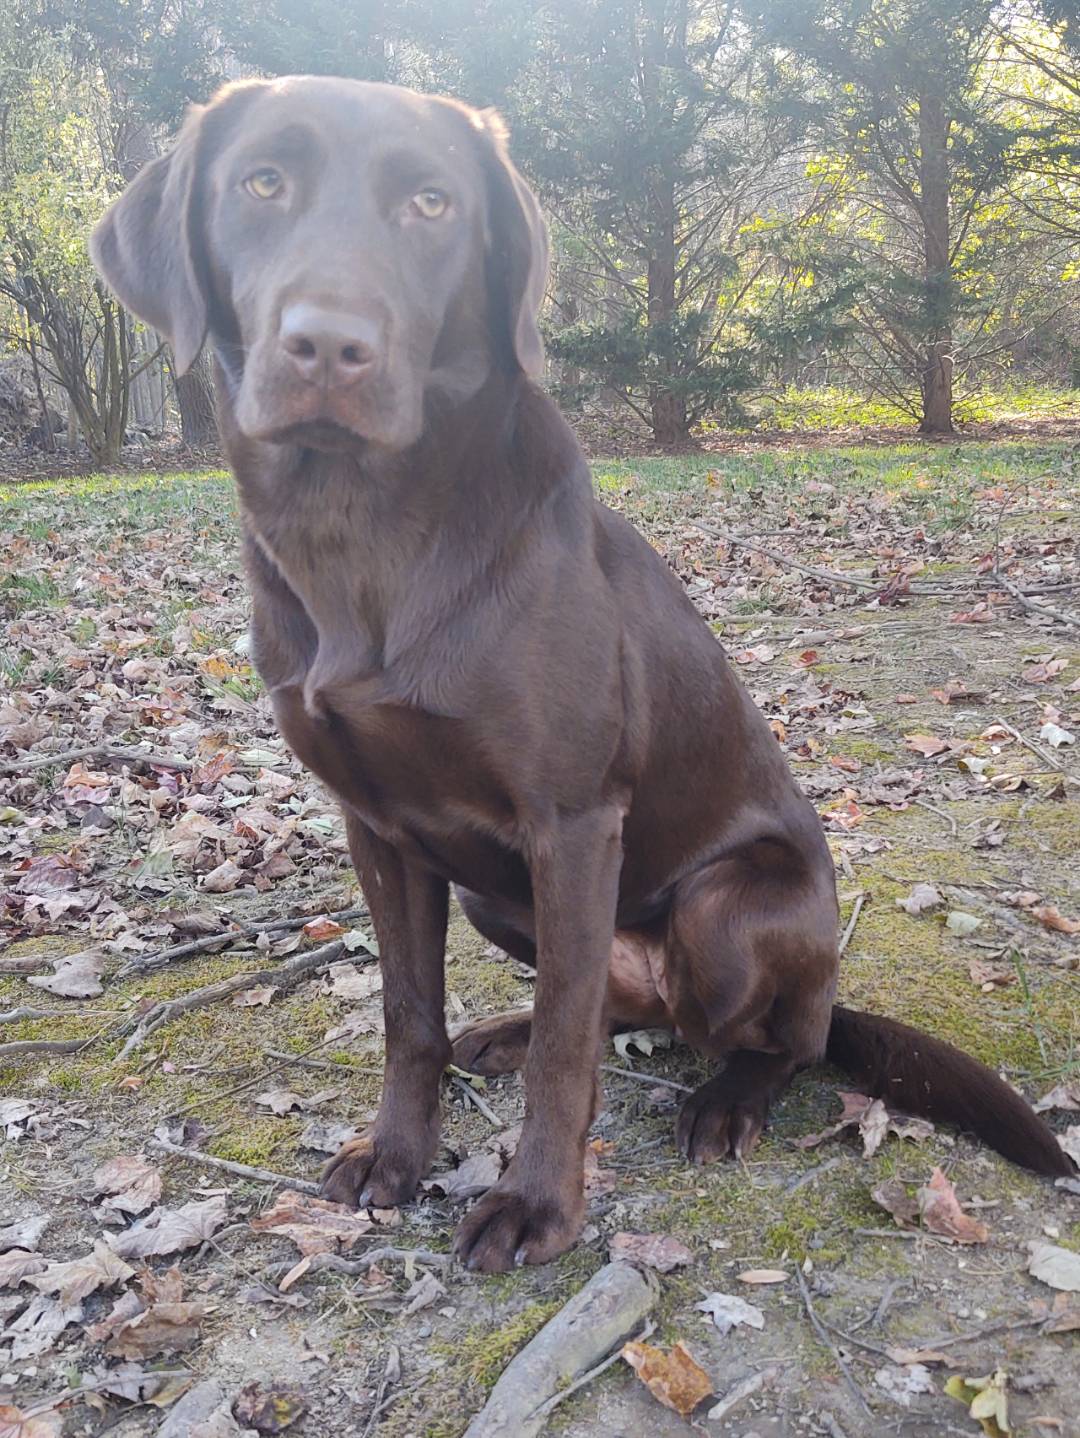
(927, 744)
(223, 879)
(1051, 918)
(76, 976)
(941, 1213)
(165, 1324)
(321, 929)
(1064, 1096)
(74, 1281)
(990, 976)
(650, 1250)
(314, 1224)
(17, 1265)
(169, 1230)
(132, 1184)
(254, 998)
(763, 1275)
(894, 1198)
(16, 1424)
(674, 1379)
(269, 1410)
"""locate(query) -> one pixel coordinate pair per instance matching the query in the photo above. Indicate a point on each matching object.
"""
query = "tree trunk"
(937, 371)
(667, 408)
(195, 397)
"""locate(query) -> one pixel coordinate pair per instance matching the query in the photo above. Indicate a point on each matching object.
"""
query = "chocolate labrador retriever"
(502, 682)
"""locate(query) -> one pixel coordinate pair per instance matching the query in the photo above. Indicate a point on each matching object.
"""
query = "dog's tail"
(921, 1075)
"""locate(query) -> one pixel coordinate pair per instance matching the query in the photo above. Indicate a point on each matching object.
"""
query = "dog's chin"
(325, 435)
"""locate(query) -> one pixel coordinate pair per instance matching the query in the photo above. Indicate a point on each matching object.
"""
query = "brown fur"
(505, 686)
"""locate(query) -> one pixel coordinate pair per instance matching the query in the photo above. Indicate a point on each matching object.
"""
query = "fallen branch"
(552, 1403)
(599, 1318)
(823, 1335)
(933, 809)
(287, 973)
(1053, 764)
(646, 1078)
(148, 963)
(856, 910)
(1036, 606)
(43, 1046)
(357, 1267)
(101, 753)
(828, 576)
(241, 1170)
(477, 1102)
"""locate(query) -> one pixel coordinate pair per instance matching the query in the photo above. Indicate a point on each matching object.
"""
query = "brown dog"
(503, 683)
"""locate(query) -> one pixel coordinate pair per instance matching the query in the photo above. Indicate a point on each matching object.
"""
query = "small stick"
(149, 962)
(474, 1098)
(553, 1402)
(856, 910)
(888, 1233)
(828, 575)
(813, 1175)
(15, 1016)
(302, 1061)
(97, 751)
(646, 1078)
(241, 1170)
(289, 972)
(251, 1082)
(1055, 764)
(43, 1046)
(822, 1333)
(933, 808)
(356, 1267)
(1035, 606)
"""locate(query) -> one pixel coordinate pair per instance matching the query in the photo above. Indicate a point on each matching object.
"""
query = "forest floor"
(147, 803)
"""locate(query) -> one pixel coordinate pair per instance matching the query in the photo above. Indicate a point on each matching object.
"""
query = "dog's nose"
(329, 347)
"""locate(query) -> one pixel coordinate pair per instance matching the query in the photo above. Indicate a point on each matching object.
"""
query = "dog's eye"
(265, 184)
(430, 203)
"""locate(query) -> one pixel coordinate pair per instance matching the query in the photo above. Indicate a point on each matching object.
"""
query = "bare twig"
(43, 1046)
(1036, 606)
(356, 1267)
(553, 1402)
(147, 963)
(646, 1078)
(1048, 759)
(478, 1103)
(856, 910)
(823, 1334)
(241, 1170)
(829, 576)
(933, 808)
(813, 1175)
(302, 1061)
(288, 973)
(100, 752)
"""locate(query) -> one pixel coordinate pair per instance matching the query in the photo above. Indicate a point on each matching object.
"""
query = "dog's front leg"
(537, 1208)
(408, 910)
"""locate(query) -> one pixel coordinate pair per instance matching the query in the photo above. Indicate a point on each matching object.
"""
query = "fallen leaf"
(39, 1325)
(223, 879)
(903, 1385)
(326, 1136)
(321, 929)
(1051, 918)
(728, 1310)
(1064, 1315)
(759, 654)
(649, 1250)
(17, 1265)
(940, 1211)
(990, 976)
(962, 923)
(674, 1379)
(422, 1293)
(25, 1234)
(922, 898)
(314, 1224)
(280, 1100)
(16, 1424)
(254, 998)
(1054, 1266)
(269, 1410)
(1056, 736)
(1043, 672)
(985, 1399)
(1064, 1096)
(165, 1324)
(927, 744)
(74, 1281)
(763, 1275)
(76, 976)
(169, 1230)
(132, 1184)
(894, 1198)
(472, 1177)
(346, 981)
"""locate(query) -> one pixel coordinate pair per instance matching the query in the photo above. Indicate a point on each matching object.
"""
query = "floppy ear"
(142, 248)
(517, 250)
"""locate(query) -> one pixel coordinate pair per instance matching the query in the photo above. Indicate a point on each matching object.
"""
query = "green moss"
(486, 1351)
(255, 1140)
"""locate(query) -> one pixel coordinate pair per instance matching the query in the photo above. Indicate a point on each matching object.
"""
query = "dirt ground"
(932, 715)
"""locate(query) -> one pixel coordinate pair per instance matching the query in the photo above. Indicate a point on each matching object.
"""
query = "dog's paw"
(495, 1045)
(713, 1123)
(505, 1229)
(367, 1172)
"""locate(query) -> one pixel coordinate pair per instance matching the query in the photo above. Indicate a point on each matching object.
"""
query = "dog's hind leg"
(751, 962)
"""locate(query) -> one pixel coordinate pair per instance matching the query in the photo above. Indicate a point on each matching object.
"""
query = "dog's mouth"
(325, 435)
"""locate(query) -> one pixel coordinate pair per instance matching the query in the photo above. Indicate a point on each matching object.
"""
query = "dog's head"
(348, 247)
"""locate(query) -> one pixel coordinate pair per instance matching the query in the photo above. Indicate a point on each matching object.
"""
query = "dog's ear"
(142, 247)
(517, 250)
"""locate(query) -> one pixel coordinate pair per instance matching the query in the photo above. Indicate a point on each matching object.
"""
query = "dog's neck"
(384, 547)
